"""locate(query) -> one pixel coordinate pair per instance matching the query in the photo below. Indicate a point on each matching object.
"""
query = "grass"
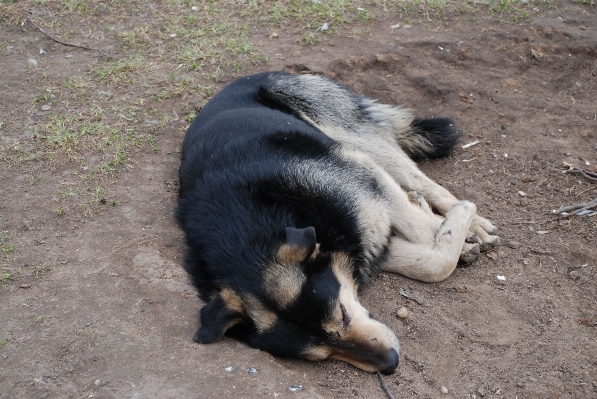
(39, 270)
(107, 113)
(6, 248)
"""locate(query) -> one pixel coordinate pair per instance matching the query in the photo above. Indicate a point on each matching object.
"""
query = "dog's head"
(305, 306)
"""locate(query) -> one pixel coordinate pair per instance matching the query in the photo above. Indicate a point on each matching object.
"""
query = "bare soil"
(112, 314)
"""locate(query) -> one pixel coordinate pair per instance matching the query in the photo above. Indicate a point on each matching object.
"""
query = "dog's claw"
(472, 239)
(468, 258)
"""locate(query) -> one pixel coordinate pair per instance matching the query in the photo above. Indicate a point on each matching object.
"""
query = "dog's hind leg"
(435, 259)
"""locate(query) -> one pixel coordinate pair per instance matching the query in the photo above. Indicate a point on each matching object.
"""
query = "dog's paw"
(418, 199)
(469, 253)
(484, 233)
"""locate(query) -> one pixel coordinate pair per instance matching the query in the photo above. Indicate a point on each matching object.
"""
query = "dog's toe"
(469, 253)
(468, 258)
(472, 238)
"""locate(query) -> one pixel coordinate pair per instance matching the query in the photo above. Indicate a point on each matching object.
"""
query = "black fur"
(255, 176)
(440, 132)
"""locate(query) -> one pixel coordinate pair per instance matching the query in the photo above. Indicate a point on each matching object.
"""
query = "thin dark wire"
(384, 386)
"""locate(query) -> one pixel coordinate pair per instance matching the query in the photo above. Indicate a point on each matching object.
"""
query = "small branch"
(573, 169)
(62, 42)
(586, 191)
(384, 386)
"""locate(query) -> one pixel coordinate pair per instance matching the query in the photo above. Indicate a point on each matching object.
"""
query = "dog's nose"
(393, 360)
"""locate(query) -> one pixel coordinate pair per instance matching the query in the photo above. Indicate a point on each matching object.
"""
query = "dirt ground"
(94, 301)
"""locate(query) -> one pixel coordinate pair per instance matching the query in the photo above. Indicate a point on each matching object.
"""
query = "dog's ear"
(299, 246)
(220, 314)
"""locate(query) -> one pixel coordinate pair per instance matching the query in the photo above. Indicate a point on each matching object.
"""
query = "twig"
(586, 191)
(573, 169)
(577, 208)
(464, 147)
(385, 387)
(62, 42)
(412, 298)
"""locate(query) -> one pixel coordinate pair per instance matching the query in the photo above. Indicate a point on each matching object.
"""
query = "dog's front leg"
(411, 177)
(433, 259)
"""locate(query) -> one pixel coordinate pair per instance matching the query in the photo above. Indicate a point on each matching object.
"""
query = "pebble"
(514, 244)
(32, 62)
(522, 193)
(402, 313)
(492, 255)
(46, 107)
(481, 391)
(574, 275)
(25, 286)
(444, 390)
(296, 388)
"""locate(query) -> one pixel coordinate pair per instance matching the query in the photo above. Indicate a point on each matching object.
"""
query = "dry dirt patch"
(94, 301)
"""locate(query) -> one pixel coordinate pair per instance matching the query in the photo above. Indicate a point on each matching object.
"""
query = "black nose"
(393, 360)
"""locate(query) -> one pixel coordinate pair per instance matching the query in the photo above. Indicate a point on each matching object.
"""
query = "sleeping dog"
(293, 192)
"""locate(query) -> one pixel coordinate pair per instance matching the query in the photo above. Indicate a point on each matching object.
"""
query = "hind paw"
(469, 253)
(484, 233)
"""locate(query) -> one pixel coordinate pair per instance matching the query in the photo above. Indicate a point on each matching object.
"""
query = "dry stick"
(573, 169)
(577, 206)
(384, 386)
(64, 43)
(585, 207)
(586, 191)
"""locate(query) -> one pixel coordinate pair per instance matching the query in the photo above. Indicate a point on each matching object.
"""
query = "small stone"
(296, 388)
(481, 391)
(32, 62)
(522, 193)
(574, 275)
(46, 107)
(251, 370)
(444, 390)
(524, 201)
(492, 255)
(514, 244)
(504, 127)
(402, 313)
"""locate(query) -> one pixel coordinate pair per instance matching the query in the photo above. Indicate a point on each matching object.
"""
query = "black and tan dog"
(293, 191)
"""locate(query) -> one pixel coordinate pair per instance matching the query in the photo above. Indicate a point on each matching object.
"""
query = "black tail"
(430, 138)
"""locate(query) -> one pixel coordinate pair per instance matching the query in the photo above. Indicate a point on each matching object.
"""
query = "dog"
(293, 192)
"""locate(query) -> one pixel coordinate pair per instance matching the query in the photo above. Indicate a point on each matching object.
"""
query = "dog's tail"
(428, 138)
(419, 138)
(332, 107)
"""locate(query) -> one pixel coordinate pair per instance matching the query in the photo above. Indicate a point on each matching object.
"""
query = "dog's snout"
(392, 362)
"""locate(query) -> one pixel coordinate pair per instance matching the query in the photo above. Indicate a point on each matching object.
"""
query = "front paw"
(484, 233)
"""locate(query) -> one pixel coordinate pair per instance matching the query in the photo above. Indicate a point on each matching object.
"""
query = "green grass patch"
(6, 248)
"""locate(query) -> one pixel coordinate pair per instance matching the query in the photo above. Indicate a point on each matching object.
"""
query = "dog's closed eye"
(345, 317)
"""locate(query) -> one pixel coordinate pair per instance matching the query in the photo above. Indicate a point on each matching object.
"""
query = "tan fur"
(232, 301)
(283, 281)
(363, 335)
(292, 253)
(263, 318)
